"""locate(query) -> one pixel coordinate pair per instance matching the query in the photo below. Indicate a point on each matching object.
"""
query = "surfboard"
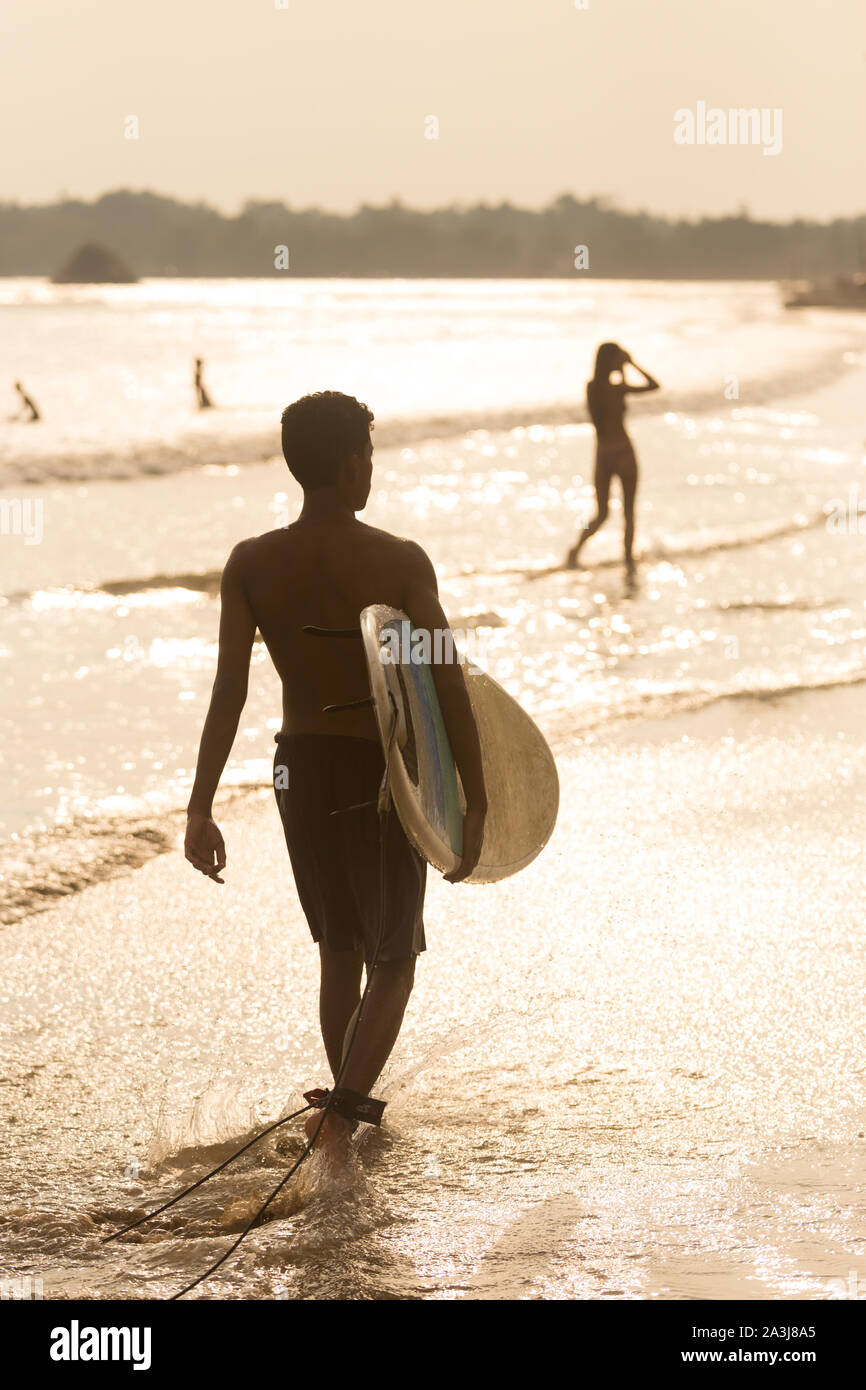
(519, 770)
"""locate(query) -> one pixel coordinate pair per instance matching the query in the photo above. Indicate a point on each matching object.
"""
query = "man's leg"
(339, 993)
(380, 1024)
(376, 1034)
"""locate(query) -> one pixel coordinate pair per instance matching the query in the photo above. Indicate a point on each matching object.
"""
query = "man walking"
(322, 571)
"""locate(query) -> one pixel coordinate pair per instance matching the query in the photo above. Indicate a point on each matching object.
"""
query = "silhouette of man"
(203, 400)
(323, 570)
(25, 404)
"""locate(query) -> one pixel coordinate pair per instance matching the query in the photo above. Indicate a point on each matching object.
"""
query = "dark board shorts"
(335, 858)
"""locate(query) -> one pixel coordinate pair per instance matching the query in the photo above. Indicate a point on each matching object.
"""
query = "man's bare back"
(323, 574)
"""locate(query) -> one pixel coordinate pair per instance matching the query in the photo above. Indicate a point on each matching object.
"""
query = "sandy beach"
(633, 1071)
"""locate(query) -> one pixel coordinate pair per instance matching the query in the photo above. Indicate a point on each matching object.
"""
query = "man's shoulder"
(397, 550)
(268, 540)
(398, 547)
(248, 553)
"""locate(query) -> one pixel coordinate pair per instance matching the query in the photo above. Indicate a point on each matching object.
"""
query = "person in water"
(323, 570)
(614, 455)
(203, 400)
(25, 404)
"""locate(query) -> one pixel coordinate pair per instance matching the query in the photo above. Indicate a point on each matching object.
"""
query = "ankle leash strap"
(351, 1105)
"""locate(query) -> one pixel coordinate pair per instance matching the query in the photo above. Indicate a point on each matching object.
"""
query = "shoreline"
(150, 458)
(125, 844)
(690, 997)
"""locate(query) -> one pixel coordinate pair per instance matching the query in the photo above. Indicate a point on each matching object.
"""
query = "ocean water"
(633, 1070)
(111, 366)
(109, 623)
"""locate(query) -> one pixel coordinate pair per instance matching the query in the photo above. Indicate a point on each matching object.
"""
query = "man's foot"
(334, 1136)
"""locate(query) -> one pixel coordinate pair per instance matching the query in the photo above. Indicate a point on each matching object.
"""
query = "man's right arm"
(421, 602)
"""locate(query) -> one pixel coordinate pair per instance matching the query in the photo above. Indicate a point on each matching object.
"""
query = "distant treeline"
(160, 236)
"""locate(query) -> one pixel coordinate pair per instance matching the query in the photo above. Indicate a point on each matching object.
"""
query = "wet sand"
(633, 1071)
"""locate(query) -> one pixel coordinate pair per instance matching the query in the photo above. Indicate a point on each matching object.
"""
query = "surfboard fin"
(350, 1104)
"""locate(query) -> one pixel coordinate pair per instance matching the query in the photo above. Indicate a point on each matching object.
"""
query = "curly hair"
(320, 432)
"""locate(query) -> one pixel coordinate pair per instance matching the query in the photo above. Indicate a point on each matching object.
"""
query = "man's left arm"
(204, 846)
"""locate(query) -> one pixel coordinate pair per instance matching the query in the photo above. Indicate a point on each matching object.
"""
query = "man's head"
(326, 443)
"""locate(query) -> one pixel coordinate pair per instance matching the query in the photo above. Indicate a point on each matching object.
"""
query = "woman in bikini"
(614, 456)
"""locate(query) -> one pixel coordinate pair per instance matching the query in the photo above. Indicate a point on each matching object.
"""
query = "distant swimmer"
(26, 405)
(614, 456)
(203, 400)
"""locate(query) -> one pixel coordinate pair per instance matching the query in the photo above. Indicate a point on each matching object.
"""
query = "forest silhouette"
(158, 236)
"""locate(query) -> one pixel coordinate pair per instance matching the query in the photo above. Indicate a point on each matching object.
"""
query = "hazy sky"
(324, 102)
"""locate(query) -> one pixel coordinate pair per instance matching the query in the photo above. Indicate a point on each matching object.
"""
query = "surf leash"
(351, 1105)
(212, 1174)
(329, 1100)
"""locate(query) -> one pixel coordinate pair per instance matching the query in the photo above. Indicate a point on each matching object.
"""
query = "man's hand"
(473, 835)
(204, 846)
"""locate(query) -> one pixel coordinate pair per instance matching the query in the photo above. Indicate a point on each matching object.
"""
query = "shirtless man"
(322, 571)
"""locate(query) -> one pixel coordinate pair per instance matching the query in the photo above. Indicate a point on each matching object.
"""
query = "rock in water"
(95, 265)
